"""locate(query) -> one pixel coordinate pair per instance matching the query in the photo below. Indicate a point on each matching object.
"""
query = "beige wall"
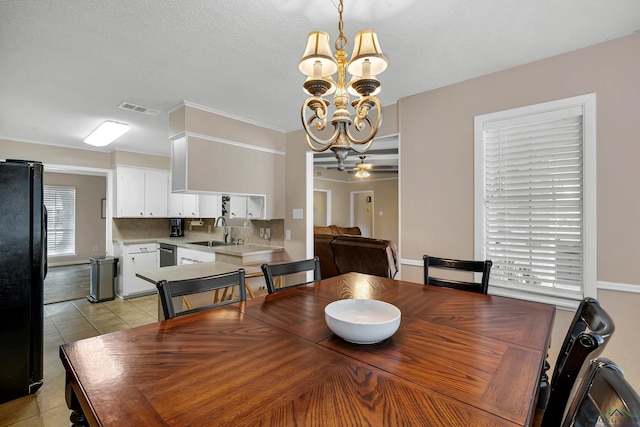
(71, 157)
(90, 227)
(125, 158)
(50, 154)
(436, 151)
(295, 188)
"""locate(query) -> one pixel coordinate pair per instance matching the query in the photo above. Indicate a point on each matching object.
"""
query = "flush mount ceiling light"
(106, 133)
(367, 61)
(362, 168)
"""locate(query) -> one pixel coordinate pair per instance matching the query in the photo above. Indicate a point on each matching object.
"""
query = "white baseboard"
(412, 262)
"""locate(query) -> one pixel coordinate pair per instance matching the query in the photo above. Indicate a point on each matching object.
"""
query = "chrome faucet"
(224, 224)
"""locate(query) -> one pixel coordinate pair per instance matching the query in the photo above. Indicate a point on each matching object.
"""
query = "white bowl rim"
(352, 301)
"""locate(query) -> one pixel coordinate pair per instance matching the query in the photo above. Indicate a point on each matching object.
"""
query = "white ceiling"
(65, 65)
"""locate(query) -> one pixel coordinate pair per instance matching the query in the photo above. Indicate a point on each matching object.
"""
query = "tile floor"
(67, 322)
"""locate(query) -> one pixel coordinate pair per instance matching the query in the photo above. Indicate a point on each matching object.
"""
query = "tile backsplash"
(136, 228)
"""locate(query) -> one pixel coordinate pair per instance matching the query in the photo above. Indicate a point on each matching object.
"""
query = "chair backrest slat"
(167, 290)
(271, 271)
(483, 267)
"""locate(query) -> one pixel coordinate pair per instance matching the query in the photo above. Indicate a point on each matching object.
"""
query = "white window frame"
(64, 191)
(588, 104)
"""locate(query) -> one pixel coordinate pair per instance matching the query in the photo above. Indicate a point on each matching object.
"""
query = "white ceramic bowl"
(362, 321)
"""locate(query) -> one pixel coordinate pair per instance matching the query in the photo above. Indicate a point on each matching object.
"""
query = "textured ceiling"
(65, 65)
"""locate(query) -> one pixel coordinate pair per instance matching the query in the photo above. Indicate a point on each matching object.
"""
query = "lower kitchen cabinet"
(135, 258)
(191, 256)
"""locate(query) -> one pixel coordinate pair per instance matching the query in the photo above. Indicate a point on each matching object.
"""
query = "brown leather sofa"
(344, 253)
(337, 231)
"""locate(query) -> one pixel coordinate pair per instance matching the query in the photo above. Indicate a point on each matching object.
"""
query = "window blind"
(534, 203)
(61, 219)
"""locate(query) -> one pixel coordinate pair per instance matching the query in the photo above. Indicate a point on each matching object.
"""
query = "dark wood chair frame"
(589, 332)
(168, 290)
(483, 267)
(275, 270)
(604, 398)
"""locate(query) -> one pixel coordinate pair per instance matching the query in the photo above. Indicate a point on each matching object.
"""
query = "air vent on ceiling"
(138, 109)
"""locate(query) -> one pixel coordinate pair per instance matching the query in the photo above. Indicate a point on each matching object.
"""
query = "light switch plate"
(297, 214)
(287, 234)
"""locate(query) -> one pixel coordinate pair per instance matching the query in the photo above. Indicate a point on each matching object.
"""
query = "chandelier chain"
(341, 41)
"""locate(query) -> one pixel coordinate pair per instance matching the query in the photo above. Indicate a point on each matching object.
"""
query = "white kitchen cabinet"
(237, 206)
(135, 258)
(129, 192)
(191, 256)
(190, 206)
(141, 193)
(156, 184)
(255, 207)
(174, 207)
(183, 205)
(243, 206)
(208, 205)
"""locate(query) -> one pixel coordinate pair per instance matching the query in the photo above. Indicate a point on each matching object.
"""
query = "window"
(535, 200)
(61, 220)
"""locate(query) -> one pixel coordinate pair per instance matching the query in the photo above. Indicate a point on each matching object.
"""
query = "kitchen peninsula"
(140, 269)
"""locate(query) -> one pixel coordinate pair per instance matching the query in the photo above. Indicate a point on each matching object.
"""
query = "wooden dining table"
(457, 359)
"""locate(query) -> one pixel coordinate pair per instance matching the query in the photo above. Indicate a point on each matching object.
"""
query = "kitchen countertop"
(193, 271)
(233, 250)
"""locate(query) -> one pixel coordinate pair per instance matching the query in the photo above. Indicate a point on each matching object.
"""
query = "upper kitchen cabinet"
(208, 205)
(237, 206)
(183, 205)
(202, 164)
(243, 206)
(194, 205)
(255, 207)
(140, 193)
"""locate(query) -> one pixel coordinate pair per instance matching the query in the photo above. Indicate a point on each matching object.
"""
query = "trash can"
(103, 273)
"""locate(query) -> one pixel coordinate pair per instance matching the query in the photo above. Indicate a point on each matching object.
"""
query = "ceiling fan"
(362, 168)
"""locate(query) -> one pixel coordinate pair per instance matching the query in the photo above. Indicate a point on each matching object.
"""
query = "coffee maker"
(177, 227)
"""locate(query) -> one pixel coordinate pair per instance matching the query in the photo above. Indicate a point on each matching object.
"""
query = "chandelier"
(362, 168)
(317, 63)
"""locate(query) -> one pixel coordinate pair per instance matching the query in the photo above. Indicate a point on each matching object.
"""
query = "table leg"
(77, 416)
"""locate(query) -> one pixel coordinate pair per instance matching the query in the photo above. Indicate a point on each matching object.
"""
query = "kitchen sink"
(212, 243)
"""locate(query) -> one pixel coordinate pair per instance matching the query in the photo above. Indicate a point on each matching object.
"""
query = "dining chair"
(170, 291)
(272, 271)
(483, 267)
(604, 398)
(588, 334)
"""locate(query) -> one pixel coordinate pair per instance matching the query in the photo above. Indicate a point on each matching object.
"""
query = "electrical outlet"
(261, 232)
(95, 248)
(267, 233)
(287, 234)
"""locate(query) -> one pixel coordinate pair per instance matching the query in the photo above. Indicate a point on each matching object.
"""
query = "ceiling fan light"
(362, 174)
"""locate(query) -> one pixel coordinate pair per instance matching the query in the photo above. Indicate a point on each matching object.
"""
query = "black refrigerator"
(23, 267)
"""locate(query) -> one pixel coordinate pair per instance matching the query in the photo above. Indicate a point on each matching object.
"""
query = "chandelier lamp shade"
(320, 66)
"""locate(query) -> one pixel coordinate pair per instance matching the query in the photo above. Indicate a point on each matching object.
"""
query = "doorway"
(362, 212)
(321, 207)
